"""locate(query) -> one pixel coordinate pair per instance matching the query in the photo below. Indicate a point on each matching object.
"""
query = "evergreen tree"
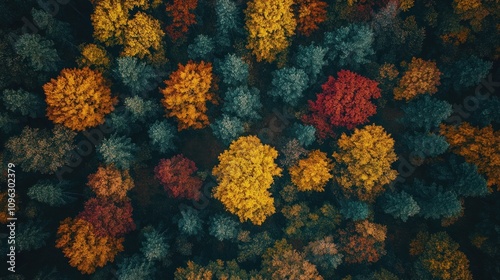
(117, 150)
(306, 134)
(39, 52)
(31, 236)
(50, 193)
(227, 128)
(311, 59)
(135, 267)
(425, 113)
(354, 210)
(425, 145)
(54, 29)
(243, 102)
(400, 205)
(142, 110)
(289, 84)
(434, 201)
(23, 102)
(223, 227)
(233, 70)
(202, 47)
(350, 45)
(467, 72)
(228, 21)
(190, 222)
(154, 245)
(136, 75)
(161, 135)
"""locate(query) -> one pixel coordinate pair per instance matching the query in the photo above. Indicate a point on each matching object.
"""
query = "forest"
(250, 140)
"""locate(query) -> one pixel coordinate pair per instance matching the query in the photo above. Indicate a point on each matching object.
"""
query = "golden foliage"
(364, 161)
(110, 182)
(143, 34)
(186, 94)
(312, 173)
(310, 14)
(110, 21)
(85, 250)
(270, 25)
(421, 77)
(388, 71)
(93, 56)
(78, 98)
(457, 37)
(193, 271)
(369, 229)
(479, 146)
(405, 5)
(245, 174)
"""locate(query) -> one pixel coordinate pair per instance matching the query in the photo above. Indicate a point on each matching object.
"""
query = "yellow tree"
(85, 250)
(93, 56)
(109, 20)
(364, 161)
(186, 94)
(78, 98)
(270, 24)
(110, 182)
(245, 174)
(143, 34)
(312, 173)
(421, 77)
(479, 146)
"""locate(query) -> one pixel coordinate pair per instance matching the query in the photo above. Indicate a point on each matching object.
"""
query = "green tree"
(161, 135)
(135, 267)
(425, 113)
(434, 201)
(223, 227)
(24, 103)
(243, 102)
(351, 45)
(138, 76)
(305, 134)
(288, 84)
(425, 145)
(154, 245)
(190, 222)
(142, 110)
(354, 210)
(31, 236)
(38, 52)
(228, 21)
(202, 48)
(233, 70)
(53, 194)
(227, 128)
(311, 59)
(117, 150)
(400, 205)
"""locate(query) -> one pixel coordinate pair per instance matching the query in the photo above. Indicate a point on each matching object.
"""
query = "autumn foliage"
(364, 161)
(182, 17)
(186, 93)
(310, 14)
(245, 174)
(479, 146)
(421, 77)
(363, 243)
(110, 182)
(78, 98)
(312, 173)
(270, 25)
(86, 251)
(107, 217)
(176, 176)
(345, 101)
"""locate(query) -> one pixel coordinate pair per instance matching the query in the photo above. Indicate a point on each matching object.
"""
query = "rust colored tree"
(176, 174)
(345, 101)
(310, 13)
(363, 242)
(182, 17)
(110, 182)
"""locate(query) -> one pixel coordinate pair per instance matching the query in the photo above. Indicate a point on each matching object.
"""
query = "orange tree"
(182, 17)
(310, 13)
(364, 161)
(312, 173)
(479, 146)
(363, 242)
(421, 77)
(78, 98)
(110, 182)
(186, 94)
(270, 24)
(245, 174)
(440, 256)
(85, 250)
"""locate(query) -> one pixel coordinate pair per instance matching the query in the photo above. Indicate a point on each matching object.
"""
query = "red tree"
(182, 18)
(109, 218)
(345, 101)
(176, 176)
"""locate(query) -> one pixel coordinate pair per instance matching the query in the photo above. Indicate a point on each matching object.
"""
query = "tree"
(233, 70)
(442, 258)
(142, 35)
(345, 101)
(182, 17)
(425, 145)
(190, 222)
(41, 150)
(305, 134)
(223, 227)
(479, 146)
(365, 169)
(324, 254)
(421, 77)
(202, 47)
(350, 45)
(117, 150)
(135, 267)
(227, 21)
(227, 128)
(93, 56)
(31, 236)
(312, 173)
(242, 102)
(354, 209)
(310, 14)
(38, 52)
(434, 201)
(247, 165)
(176, 174)
(425, 113)
(467, 72)
(23, 102)
(270, 26)
(162, 135)
(109, 20)
(311, 59)
(363, 242)
(78, 98)
(291, 152)
(461, 177)
(85, 250)
(289, 84)
(50, 193)
(154, 244)
(283, 262)
(400, 205)
(110, 182)
(136, 75)
(249, 248)
(193, 271)
(108, 217)
(140, 109)
(186, 93)
(56, 30)
(306, 224)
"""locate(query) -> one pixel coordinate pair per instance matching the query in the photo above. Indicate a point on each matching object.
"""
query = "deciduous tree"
(143, 36)
(108, 217)
(310, 14)
(312, 173)
(110, 182)
(177, 176)
(421, 77)
(182, 16)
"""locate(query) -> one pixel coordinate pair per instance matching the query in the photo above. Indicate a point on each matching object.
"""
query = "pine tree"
(162, 135)
(117, 150)
(190, 222)
(23, 102)
(136, 75)
(400, 205)
(242, 102)
(288, 84)
(227, 128)
(50, 193)
(351, 45)
(38, 52)
(202, 47)
(223, 227)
